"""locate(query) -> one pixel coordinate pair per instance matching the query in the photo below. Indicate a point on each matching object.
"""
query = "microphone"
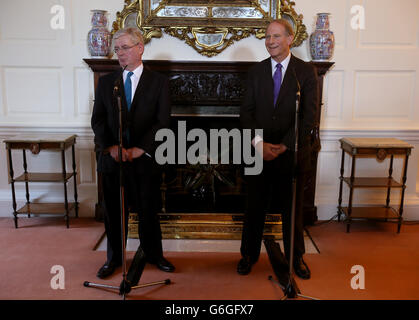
(298, 83)
(117, 82)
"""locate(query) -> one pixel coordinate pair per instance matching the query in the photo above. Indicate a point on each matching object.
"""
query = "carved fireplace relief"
(208, 26)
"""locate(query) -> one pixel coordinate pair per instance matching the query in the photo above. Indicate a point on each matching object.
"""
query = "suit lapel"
(286, 85)
(268, 82)
(121, 90)
(140, 88)
(124, 106)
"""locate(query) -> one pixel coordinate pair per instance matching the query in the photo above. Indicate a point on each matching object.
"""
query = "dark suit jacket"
(150, 111)
(258, 111)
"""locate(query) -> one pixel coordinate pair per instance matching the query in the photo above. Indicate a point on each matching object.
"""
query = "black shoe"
(244, 266)
(301, 269)
(163, 264)
(107, 269)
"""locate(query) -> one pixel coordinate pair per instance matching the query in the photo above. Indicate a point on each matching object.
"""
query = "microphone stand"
(291, 290)
(128, 281)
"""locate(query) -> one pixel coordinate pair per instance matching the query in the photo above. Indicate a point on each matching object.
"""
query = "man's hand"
(279, 148)
(134, 153)
(114, 152)
(270, 151)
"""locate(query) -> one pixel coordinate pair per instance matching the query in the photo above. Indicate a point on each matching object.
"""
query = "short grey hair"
(285, 23)
(134, 33)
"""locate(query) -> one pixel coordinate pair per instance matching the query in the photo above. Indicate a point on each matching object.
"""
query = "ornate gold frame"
(208, 26)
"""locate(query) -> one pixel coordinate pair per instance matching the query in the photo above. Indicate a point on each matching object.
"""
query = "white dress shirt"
(135, 78)
(284, 64)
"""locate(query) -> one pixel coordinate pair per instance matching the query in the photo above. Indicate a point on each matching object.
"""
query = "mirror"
(208, 26)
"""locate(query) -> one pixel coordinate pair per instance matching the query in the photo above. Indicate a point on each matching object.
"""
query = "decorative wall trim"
(326, 194)
(325, 133)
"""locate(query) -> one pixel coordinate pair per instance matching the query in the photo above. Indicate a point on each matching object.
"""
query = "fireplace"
(208, 201)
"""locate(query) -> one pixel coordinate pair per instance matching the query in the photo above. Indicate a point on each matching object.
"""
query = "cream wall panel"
(2, 93)
(4, 171)
(386, 28)
(45, 161)
(27, 20)
(329, 161)
(381, 96)
(33, 91)
(333, 94)
(413, 171)
(84, 91)
(371, 167)
(87, 166)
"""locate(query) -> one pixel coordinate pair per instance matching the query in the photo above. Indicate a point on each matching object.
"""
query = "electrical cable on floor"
(325, 221)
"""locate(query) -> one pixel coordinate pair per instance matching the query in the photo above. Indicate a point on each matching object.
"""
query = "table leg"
(65, 187)
(76, 204)
(342, 170)
(12, 182)
(390, 177)
(404, 178)
(25, 168)
(351, 193)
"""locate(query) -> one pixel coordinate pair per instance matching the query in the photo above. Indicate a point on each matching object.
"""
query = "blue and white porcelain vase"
(99, 38)
(322, 40)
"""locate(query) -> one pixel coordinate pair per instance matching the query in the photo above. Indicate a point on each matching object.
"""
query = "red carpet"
(390, 260)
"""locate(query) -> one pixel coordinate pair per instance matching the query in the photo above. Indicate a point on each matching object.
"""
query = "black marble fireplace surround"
(208, 95)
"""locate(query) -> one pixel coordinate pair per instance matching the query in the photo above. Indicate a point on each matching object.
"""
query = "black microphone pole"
(294, 181)
(291, 282)
(124, 287)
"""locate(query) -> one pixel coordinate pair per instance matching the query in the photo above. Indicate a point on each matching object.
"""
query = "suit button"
(273, 118)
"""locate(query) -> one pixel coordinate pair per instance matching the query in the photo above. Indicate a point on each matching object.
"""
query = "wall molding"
(85, 130)
(326, 194)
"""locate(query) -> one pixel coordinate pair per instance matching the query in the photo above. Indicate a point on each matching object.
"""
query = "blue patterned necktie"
(128, 94)
(128, 89)
(277, 82)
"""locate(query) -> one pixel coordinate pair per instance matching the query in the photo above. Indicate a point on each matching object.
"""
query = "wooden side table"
(36, 144)
(380, 148)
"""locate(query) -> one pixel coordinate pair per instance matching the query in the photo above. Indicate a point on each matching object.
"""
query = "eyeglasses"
(124, 48)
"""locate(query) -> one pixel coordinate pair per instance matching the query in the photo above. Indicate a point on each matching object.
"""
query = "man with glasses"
(145, 110)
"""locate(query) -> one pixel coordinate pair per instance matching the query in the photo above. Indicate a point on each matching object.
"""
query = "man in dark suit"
(145, 110)
(269, 104)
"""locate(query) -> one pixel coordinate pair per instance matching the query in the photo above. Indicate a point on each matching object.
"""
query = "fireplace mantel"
(212, 91)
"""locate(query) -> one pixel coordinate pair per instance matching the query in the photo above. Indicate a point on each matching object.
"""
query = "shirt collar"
(284, 62)
(137, 71)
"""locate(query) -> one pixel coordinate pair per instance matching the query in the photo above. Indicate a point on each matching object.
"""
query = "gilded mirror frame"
(208, 26)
